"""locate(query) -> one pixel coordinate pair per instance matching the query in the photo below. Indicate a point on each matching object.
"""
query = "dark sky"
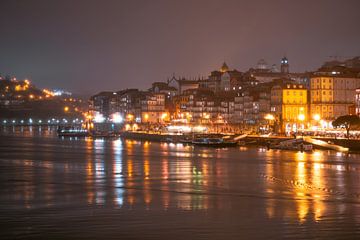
(89, 46)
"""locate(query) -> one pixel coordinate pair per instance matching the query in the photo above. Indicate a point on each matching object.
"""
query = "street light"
(163, 116)
(117, 118)
(301, 117)
(146, 117)
(269, 117)
(317, 117)
(129, 117)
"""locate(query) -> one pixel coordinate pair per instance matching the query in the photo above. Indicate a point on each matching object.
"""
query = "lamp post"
(301, 118)
(270, 118)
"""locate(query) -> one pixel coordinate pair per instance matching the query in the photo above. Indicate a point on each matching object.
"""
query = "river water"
(54, 188)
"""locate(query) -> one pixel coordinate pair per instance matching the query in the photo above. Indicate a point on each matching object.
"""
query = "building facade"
(357, 102)
(289, 106)
(332, 93)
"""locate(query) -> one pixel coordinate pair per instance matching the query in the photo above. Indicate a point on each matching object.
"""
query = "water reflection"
(100, 173)
(315, 180)
(118, 173)
(127, 174)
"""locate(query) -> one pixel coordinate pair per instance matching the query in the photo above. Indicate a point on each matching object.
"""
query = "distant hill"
(21, 100)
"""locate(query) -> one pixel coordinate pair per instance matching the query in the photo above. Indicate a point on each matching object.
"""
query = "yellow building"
(289, 105)
(332, 95)
(322, 99)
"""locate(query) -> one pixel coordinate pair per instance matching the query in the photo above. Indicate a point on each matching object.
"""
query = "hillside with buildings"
(21, 100)
(262, 98)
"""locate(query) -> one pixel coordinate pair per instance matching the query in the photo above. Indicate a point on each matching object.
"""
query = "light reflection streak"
(118, 173)
(301, 176)
(89, 171)
(100, 174)
(165, 182)
(317, 182)
(147, 184)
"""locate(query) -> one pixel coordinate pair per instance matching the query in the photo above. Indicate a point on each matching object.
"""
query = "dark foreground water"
(53, 188)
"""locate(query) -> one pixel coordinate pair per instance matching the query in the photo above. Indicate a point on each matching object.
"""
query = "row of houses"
(258, 98)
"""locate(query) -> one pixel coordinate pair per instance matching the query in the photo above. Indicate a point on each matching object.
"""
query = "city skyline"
(86, 47)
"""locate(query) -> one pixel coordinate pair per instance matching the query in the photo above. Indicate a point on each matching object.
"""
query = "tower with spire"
(284, 67)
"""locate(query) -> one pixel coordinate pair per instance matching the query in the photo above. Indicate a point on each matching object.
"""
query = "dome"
(262, 64)
(224, 68)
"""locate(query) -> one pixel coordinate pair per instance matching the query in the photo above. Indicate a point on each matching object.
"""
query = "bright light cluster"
(99, 118)
(116, 118)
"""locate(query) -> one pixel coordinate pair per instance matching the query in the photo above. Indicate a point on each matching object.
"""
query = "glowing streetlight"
(130, 117)
(117, 118)
(99, 118)
(206, 115)
(316, 117)
(146, 116)
(269, 117)
(163, 116)
(66, 109)
(301, 117)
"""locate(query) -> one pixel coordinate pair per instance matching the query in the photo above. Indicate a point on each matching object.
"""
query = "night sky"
(89, 46)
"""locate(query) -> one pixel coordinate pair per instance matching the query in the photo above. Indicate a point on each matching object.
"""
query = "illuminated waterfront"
(125, 189)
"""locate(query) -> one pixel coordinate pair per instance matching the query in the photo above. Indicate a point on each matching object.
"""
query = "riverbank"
(352, 144)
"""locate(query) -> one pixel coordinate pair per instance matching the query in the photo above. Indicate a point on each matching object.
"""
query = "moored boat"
(99, 134)
(293, 144)
(72, 132)
(213, 142)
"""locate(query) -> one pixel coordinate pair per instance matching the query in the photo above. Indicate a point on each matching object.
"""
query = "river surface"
(54, 188)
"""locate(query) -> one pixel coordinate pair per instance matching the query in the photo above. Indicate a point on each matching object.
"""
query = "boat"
(102, 134)
(213, 142)
(186, 140)
(293, 144)
(72, 132)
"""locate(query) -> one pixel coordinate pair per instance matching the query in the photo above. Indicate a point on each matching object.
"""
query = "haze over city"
(179, 119)
(89, 46)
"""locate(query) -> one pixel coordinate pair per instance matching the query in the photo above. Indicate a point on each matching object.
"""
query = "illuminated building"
(103, 103)
(251, 107)
(264, 74)
(153, 108)
(332, 92)
(180, 102)
(289, 106)
(357, 101)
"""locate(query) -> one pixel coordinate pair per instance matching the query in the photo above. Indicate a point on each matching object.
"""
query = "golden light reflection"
(302, 209)
(147, 190)
(129, 168)
(130, 183)
(317, 181)
(305, 179)
(301, 174)
(165, 183)
(270, 203)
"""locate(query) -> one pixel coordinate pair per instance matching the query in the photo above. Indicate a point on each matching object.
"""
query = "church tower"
(224, 68)
(284, 65)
